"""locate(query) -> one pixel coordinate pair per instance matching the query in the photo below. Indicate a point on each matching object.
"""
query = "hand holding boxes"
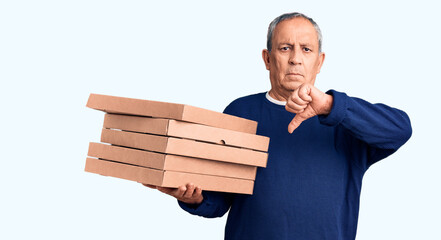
(170, 145)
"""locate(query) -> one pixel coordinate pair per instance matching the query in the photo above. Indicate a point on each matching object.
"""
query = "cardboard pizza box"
(167, 178)
(174, 128)
(131, 106)
(170, 162)
(184, 147)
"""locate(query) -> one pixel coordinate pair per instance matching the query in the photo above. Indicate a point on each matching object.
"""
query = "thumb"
(295, 122)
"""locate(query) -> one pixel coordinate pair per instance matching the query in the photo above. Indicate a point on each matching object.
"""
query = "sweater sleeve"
(382, 128)
(215, 204)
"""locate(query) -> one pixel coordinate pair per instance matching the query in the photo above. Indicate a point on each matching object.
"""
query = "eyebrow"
(308, 45)
(301, 44)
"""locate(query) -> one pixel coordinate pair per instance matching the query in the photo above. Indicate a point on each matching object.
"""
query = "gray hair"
(287, 16)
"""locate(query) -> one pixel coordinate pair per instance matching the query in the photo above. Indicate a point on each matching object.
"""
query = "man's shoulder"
(244, 106)
(249, 99)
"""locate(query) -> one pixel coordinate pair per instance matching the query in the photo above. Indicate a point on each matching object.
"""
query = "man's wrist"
(329, 100)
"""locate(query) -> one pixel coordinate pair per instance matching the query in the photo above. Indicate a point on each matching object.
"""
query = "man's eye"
(284, 48)
(307, 49)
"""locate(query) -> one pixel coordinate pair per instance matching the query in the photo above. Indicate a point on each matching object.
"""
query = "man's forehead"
(296, 29)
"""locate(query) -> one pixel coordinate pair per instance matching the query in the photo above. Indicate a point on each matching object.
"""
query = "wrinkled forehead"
(295, 30)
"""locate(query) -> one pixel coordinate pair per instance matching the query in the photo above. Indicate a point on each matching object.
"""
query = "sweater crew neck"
(271, 99)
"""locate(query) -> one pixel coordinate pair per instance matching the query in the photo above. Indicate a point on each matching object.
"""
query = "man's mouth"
(294, 74)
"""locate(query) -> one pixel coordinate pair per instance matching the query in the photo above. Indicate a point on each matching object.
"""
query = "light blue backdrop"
(53, 54)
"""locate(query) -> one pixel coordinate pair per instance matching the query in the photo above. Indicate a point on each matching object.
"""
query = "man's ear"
(266, 58)
(320, 61)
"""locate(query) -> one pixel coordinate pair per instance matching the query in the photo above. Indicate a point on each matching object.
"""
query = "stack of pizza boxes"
(169, 145)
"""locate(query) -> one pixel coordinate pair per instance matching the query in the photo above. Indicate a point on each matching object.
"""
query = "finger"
(295, 108)
(296, 98)
(180, 192)
(295, 122)
(190, 191)
(198, 192)
(300, 101)
(304, 93)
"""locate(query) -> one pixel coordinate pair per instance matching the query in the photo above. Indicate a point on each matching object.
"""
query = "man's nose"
(295, 57)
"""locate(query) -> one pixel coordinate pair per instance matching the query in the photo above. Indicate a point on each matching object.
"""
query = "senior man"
(311, 186)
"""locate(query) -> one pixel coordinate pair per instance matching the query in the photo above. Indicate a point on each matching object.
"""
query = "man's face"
(294, 58)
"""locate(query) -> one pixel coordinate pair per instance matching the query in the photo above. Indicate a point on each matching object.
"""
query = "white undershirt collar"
(282, 103)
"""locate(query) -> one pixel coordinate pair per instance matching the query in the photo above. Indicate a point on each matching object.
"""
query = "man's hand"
(186, 193)
(306, 102)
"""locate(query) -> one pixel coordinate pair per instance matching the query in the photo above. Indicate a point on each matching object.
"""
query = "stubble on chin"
(290, 86)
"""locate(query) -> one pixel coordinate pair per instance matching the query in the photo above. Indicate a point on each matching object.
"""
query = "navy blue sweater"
(311, 186)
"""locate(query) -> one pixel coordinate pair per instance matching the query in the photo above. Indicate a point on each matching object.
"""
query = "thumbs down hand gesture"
(306, 102)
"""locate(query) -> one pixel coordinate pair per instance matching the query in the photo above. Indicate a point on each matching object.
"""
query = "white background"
(53, 54)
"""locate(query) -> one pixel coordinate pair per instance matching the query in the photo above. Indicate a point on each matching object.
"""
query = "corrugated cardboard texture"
(181, 129)
(184, 147)
(168, 178)
(131, 106)
(171, 162)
